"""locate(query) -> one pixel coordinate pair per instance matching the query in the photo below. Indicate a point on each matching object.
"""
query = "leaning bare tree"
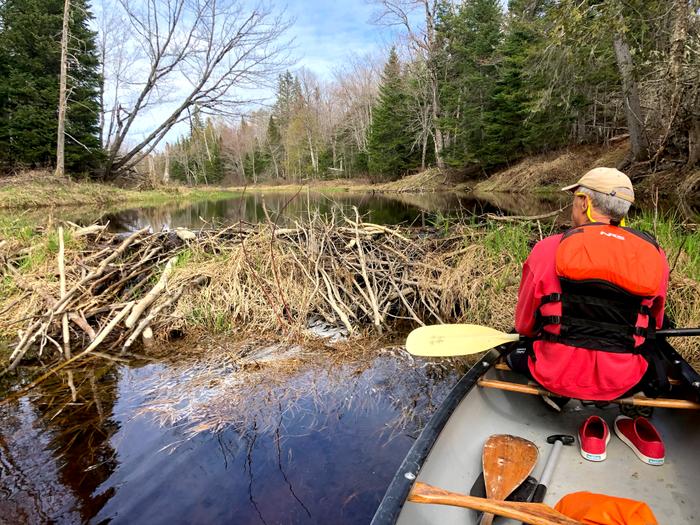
(206, 54)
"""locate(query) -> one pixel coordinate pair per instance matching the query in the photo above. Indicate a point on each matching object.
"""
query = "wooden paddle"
(507, 461)
(533, 513)
(449, 340)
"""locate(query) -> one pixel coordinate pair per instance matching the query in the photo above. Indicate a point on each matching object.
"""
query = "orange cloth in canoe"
(599, 509)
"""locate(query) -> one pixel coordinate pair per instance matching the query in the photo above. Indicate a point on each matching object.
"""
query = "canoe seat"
(502, 365)
(637, 400)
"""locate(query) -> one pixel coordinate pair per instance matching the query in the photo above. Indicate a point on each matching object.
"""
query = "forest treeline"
(467, 86)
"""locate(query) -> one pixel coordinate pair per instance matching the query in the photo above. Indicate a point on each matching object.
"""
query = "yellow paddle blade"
(449, 340)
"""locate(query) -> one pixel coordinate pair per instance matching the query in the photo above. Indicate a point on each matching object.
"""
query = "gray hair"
(612, 207)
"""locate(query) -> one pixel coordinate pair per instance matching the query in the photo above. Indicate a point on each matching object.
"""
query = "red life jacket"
(605, 273)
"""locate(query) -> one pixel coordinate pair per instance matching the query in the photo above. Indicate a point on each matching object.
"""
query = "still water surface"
(164, 443)
(418, 209)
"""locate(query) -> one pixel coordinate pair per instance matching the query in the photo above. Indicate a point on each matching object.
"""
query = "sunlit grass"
(16, 227)
(44, 192)
(511, 240)
(680, 241)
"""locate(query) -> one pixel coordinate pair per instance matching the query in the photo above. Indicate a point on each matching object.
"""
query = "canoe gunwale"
(390, 507)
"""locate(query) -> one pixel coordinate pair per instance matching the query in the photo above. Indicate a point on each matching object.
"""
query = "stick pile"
(99, 287)
(111, 291)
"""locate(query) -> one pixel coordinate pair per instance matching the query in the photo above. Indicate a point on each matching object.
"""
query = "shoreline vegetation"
(357, 278)
(538, 174)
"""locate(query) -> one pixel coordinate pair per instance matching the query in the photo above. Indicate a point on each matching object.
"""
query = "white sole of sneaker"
(594, 457)
(646, 459)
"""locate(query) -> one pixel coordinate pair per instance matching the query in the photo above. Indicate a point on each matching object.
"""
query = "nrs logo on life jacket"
(606, 272)
(613, 235)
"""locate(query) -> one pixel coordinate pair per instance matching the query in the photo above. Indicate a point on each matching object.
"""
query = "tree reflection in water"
(305, 437)
(56, 448)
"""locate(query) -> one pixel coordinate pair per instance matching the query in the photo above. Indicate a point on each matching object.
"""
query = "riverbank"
(43, 190)
(544, 173)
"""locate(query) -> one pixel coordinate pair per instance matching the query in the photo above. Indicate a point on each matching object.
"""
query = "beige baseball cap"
(606, 180)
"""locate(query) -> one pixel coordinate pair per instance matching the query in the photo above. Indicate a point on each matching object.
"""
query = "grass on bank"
(43, 190)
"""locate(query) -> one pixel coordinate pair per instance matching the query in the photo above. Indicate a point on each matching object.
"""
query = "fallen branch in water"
(517, 218)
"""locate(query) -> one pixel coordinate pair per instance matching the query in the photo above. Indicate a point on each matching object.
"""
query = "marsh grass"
(512, 240)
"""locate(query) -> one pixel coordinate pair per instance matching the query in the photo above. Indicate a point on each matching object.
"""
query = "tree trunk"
(61, 139)
(633, 108)
(314, 164)
(694, 143)
(101, 121)
(436, 112)
(166, 170)
(676, 115)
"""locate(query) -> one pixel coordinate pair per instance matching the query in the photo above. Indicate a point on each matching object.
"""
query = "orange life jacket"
(605, 273)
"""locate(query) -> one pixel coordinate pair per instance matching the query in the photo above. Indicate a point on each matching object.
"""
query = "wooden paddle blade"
(533, 513)
(507, 462)
(449, 340)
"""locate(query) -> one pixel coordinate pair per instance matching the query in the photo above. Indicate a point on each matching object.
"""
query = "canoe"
(448, 452)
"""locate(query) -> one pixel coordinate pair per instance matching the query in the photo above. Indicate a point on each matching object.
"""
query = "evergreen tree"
(274, 145)
(507, 115)
(469, 36)
(390, 142)
(197, 158)
(30, 33)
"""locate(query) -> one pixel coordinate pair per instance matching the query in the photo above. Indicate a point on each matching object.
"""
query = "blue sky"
(327, 32)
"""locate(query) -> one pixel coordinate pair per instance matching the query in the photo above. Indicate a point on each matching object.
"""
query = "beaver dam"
(251, 373)
(68, 292)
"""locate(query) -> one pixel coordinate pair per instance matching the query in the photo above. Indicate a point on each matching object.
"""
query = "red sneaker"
(593, 438)
(641, 436)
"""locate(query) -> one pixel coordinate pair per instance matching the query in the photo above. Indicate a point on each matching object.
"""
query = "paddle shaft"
(450, 340)
(541, 489)
(679, 332)
(558, 441)
(658, 402)
(531, 513)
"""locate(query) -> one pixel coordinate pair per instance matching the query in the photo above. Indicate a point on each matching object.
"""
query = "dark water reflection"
(379, 208)
(323, 455)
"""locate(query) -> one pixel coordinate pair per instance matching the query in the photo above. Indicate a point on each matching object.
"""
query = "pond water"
(404, 208)
(316, 442)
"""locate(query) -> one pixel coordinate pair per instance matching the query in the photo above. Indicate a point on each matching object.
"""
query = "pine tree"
(390, 142)
(29, 74)
(274, 145)
(469, 35)
(508, 110)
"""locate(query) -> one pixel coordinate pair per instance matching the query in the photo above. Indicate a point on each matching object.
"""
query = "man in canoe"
(591, 298)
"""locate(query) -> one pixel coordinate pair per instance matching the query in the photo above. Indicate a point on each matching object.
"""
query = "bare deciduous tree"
(423, 43)
(190, 53)
(355, 91)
